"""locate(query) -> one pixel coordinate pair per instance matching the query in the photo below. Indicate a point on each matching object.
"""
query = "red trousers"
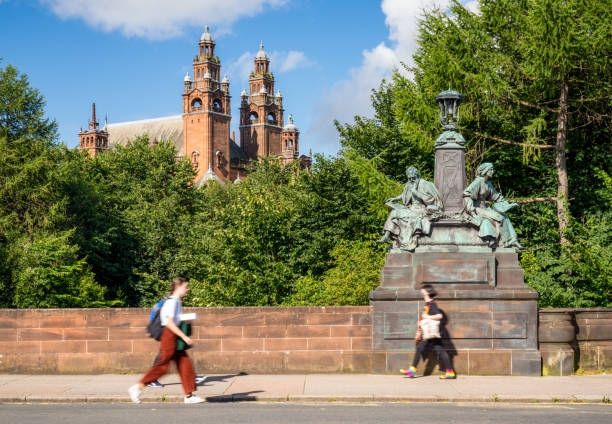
(167, 353)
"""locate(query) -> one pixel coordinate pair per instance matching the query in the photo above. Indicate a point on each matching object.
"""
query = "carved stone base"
(491, 317)
(468, 268)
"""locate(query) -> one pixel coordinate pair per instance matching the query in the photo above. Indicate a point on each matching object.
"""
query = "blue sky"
(130, 56)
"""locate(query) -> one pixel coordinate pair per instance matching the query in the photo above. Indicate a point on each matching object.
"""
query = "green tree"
(527, 67)
(48, 273)
(29, 200)
(394, 143)
(22, 109)
(354, 271)
(238, 246)
(131, 207)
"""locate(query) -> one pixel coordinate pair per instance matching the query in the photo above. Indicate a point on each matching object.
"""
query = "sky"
(130, 56)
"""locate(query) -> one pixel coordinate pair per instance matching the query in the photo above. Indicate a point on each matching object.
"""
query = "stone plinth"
(491, 317)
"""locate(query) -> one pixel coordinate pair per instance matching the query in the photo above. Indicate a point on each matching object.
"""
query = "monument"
(447, 235)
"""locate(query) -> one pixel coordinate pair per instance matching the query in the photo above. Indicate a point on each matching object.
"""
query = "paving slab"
(268, 386)
(377, 385)
(312, 388)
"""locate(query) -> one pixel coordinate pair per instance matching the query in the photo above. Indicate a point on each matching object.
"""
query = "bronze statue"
(411, 212)
(494, 226)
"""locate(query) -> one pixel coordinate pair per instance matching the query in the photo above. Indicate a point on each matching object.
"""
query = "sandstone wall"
(264, 340)
(573, 339)
(261, 340)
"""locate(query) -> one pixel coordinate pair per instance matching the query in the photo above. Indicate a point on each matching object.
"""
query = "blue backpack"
(155, 329)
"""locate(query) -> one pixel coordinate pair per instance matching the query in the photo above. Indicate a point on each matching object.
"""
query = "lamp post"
(449, 102)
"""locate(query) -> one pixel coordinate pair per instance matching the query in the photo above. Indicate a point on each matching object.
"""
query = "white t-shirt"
(171, 308)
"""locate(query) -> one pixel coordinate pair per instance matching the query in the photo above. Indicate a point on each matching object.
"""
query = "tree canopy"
(77, 231)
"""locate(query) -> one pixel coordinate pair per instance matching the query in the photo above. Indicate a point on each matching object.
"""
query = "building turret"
(207, 114)
(290, 139)
(187, 82)
(279, 99)
(262, 61)
(94, 140)
(261, 117)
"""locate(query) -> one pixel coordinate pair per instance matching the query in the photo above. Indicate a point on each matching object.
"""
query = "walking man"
(170, 319)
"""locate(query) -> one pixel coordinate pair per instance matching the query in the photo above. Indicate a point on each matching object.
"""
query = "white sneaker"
(200, 379)
(135, 393)
(193, 399)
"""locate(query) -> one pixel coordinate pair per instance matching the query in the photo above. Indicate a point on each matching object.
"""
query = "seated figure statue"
(411, 212)
(493, 224)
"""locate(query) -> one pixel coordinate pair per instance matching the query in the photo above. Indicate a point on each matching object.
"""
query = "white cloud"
(473, 6)
(280, 61)
(351, 96)
(293, 60)
(241, 68)
(158, 19)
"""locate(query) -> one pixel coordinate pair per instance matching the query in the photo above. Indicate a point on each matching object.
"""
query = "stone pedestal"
(491, 317)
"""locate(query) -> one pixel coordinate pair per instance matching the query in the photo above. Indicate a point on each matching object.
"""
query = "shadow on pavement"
(236, 397)
(211, 378)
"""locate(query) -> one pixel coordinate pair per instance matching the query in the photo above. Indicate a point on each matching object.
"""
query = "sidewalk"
(309, 388)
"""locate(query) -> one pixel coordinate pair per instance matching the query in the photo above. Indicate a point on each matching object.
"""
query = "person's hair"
(431, 292)
(483, 168)
(175, 283)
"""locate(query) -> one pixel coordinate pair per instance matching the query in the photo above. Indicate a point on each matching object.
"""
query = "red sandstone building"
(202, 132)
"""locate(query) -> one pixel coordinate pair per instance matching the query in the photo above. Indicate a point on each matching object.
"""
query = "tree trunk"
(562, 183)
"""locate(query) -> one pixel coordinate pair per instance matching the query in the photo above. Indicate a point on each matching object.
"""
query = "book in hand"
(188, 317)
(504, 206)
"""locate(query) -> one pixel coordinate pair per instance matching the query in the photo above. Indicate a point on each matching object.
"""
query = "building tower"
(207, 114)
(261, 113)
(290, 139)
(94, 140)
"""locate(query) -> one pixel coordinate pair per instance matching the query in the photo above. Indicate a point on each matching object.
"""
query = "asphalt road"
(296, 413)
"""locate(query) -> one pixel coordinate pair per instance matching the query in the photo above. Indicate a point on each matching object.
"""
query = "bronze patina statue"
(494, 226)
(411, 212)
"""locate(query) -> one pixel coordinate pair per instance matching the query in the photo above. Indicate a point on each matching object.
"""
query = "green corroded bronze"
(494, 227)
(449, 102)
(411, 212)
(450, 139)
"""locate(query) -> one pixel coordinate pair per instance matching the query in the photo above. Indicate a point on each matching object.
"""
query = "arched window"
(194, 158)
(217, 105)
(219, 155)
(253, 117)
(196, 103)
(271, 118)
(291, 144)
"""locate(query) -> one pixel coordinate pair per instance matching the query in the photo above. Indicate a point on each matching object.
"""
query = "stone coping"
(390, 293)
(572, 310)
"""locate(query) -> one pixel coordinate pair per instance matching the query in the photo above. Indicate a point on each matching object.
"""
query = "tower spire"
(94, 140)
(93, 124)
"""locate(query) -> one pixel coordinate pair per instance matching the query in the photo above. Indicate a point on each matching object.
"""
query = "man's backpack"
(155, 329)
